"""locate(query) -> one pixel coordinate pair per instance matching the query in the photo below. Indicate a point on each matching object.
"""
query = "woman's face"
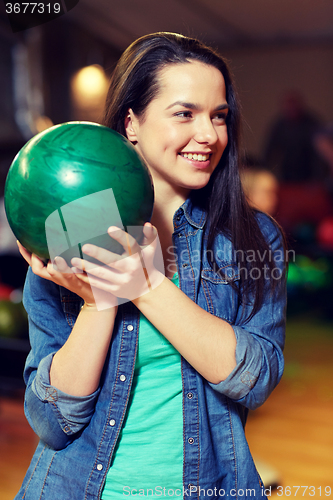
(183, 132)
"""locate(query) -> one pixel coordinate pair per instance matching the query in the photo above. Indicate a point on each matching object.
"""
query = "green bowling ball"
(71, 182)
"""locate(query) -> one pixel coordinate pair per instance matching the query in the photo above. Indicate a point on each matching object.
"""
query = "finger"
(59, 264)
(38, 267)
(106, 272)
(149, 233)
(24, 252)
(127, 241)
(100, 284)
(80, 265)
(98, 253)
(80, 275)
(94, 281)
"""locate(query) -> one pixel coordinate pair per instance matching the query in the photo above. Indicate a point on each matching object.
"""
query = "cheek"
(175, 136)
(162, 138)
(225, 138)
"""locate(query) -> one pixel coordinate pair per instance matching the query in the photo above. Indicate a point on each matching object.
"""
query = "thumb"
(149, 233)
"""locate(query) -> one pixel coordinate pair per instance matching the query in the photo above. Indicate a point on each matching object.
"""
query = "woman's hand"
(61, 274)
(128, 276)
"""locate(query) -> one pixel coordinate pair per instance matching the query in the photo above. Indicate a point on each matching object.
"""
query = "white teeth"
(195, 156)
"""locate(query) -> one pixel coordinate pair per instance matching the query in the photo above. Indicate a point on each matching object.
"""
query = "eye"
(184, 114)
(220, 117)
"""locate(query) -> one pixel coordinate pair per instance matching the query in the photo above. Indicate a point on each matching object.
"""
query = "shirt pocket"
(71, 305)
(219, 291)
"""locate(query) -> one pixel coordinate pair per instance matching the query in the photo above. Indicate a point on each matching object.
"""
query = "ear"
(130, 126)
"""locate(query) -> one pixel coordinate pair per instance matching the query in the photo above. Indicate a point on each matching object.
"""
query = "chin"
(200, 185)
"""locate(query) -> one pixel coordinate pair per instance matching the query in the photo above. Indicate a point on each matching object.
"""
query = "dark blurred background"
(281, 54)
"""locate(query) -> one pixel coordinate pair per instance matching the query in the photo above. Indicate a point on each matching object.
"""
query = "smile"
(195, 156)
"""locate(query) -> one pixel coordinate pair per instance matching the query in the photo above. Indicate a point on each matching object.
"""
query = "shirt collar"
(194, 215)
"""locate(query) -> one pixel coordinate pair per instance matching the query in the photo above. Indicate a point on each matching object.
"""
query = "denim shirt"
(78, 435)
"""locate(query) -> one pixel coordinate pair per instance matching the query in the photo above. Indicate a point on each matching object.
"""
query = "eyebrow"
(190, 105)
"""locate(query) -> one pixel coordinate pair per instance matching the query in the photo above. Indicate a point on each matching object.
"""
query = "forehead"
(193, 78)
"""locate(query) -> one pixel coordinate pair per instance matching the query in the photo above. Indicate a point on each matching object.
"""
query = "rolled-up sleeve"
(73, 412)
(56, 417)
(260, 340)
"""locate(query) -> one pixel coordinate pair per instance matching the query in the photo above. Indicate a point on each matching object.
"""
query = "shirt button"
(191, 440)
(99, 467)
(190, 395)
(112, 422)
(185, 264)
(122, 378)
(130, 328)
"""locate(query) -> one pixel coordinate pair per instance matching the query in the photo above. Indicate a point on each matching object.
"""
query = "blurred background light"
(89, 87)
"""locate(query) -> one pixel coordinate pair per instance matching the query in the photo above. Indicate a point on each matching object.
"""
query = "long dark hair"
(134, 84)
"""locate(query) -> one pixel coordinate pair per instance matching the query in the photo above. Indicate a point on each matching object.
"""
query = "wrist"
(88, 306)
(154, 290)
(92, 307)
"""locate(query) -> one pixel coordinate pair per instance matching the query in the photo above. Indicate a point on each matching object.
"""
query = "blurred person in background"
(292, 155)
(261, 189)
(289, 152)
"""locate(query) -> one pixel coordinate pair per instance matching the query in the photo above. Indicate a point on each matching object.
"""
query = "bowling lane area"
(290, 436)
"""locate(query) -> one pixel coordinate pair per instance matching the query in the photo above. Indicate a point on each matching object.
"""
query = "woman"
(161, 409)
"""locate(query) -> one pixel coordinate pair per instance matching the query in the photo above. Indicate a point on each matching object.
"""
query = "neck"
(167, 201)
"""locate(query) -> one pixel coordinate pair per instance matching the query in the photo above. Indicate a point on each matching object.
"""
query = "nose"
(205, 131)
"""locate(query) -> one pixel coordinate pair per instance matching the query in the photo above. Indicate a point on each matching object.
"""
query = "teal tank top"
(149, 452)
